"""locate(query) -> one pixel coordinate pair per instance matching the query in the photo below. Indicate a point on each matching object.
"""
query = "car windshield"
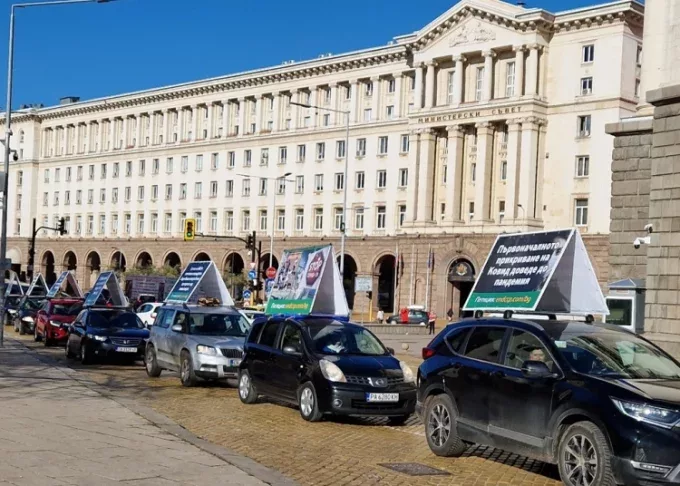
(234, 325)
(71, 309)
(13, 301)
(617, 355)
(335, 338)
(124, 320)
(32, 304)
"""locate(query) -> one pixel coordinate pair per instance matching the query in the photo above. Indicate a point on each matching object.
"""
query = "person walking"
(380, 316)
(449, 314)
(431, 320)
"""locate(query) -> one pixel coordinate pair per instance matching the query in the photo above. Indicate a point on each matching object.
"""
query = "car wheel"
(308, 403)
(246, 390)
(584, 456)
(150, 363)
(69, 354)
(22, 329)
(36, 336)
(399, 419)
(186, 370)
(85, 354)
(440, 427)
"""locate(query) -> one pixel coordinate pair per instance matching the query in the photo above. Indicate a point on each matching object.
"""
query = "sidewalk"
(55, 431)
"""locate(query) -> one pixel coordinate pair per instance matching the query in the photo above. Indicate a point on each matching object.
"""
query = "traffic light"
(369, 295)
(189, 225)
(62, 226)
(250, 241)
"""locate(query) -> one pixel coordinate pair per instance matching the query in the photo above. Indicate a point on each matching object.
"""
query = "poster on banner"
(200, 279)
(69, 280)
(108, 288)
(38, 286)
(547, 271)
(308, 281)
(14, 285)
(363, 284)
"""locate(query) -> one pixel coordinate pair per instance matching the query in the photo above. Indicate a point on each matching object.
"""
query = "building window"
(168, 192)
(102, 224)
(391, 85)
(320, 151)
(471, 210)
(155, 167)
(264, 156)
(403, 177)
(588, 53)
(247, 158)
(127, 194)
(128, 224)
(280, 186)
(263, 187)
(638, 55)
(381, 179)
(114, 195)
(46, 198)
(381, 218)
(299, 219)
(299, 184)
(450, 86)
(368, 115)
(359, 219)
(340, 149)
(584, 126)
(142, 167)
(637, 87)
(140, 223)
(369, 88)
(389, 112)
(90, 172)
(231, 159)
(114, 224)
(501, 211)
(128, 170)
(183, 191)
(318, 182)
(229, 188)
(140, 193)
(79, 224)
(473, 172)
(68, 172)
(213, 222)
(402, 215)
(361, 147)
(46, 178)
(154, 223)
(404, 145)
(510, 80)
(479, 83)
(504, 170)
(184, 164)
(213, 189)
(586, 86)
(301, 153)
(245, 221)
(360, 180)
(318, 219)
(582, 166)
(339, 181)
(281, 220)
(326, 120)
(229, 221)
(283, 155)
(199, 163)
(307, 122)
(168, 165)
(382, 146)
(581, 212)
(337, 219)
(442, 211)
(245, 190)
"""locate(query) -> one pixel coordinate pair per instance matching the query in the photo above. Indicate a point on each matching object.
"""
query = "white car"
(251, 314)
(147, 312)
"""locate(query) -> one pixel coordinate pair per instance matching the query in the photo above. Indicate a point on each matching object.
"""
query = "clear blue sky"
(96, 50)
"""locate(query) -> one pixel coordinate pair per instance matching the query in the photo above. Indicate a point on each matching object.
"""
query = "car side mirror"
(292, 350)
(390, 350)
(177, 328)
(536, 369)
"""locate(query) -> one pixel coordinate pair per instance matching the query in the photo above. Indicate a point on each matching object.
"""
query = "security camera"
(637, 243)
(649, 228)
(15, 156)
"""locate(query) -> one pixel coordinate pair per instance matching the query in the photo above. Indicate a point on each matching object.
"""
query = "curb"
(245, 464)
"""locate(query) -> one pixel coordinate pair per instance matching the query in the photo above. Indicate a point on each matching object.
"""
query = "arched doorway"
(236, 280)
(172, 260)
(349, 275)
(264, 262)
(47, 268)
(70, 261)
(202, 257)
(461, 276)
(118, 262)
(14, 255)
(144, 260)
(93, 264)
(384, 268)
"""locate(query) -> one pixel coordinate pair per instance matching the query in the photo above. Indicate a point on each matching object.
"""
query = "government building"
(490, 119)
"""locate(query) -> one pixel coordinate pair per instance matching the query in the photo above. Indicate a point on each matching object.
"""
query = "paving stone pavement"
(55, 431)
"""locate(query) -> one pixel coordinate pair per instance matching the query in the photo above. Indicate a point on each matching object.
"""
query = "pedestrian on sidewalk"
(380, 316)
(449, 314)
(431, 322)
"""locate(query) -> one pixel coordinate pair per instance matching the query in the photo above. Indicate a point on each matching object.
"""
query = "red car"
(54, 318)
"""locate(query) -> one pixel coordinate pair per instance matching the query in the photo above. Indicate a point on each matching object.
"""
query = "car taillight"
(428, 353)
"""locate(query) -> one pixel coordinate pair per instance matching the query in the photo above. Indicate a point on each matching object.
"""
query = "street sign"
(268, 285)
(363, 284)
(252, 275)
(252, 265)
(246, 294)
(271, 273)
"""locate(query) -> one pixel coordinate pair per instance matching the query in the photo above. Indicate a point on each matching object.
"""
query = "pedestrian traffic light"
(189, 225)
(62, 226)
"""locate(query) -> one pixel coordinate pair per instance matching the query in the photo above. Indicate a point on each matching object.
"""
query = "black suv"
(325, 366)
(600, 402)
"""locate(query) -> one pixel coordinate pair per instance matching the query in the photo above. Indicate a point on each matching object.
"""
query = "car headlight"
(409, 376)
(55, 323)
(662, 417)
(331, 372)
(97, 338)
(209, 350)
(27, 319)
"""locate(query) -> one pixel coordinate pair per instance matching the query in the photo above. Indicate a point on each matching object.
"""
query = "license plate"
(233, 362)
(126, 350)
(382, 397)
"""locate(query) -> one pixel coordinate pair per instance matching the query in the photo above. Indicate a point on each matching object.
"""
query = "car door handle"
(497, 374)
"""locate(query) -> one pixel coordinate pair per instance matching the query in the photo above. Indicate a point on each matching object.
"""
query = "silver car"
(201, 342)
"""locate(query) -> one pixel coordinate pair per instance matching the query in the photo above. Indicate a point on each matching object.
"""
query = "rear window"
(456, 339)
(65, 309)
(268, 336)
(255, 331)
(485, 344)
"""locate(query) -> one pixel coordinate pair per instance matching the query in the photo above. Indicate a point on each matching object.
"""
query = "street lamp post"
(344, 195)
(8, 135)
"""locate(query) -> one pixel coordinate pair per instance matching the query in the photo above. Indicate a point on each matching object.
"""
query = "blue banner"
(188, 282)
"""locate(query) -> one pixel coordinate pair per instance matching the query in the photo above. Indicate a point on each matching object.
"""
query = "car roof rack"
(107, 307)
(508, 314)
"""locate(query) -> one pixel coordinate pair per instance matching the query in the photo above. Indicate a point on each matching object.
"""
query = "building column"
(211, 120)
(540, 165)
(454, 182)
(519, 71)
(138, 134)
(100, 136)
(334, 104)
(276, 115)
(430, 84)
(375, 101)
(126, 129)
(485, 149)
(512, 174)
(241, 116)
(418, 95)
(112, 133)
(180, 123)
(354, 101)
(528, 169)
(313, 112)
(458, 79)
(295, 109)
(532, 71)
(166, 125)
(259, 125)
(412, 188)
(195, 119)
(487, 94)
(398, 83)
(426, 176)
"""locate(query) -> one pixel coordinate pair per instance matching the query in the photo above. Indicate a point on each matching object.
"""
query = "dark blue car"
(601, 403)
(100, 332)
(326, 367)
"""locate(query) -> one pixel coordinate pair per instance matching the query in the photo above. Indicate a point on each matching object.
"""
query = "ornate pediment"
(471, 34)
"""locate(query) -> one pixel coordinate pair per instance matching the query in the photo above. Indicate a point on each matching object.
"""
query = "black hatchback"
(601, 403)
(325, 366)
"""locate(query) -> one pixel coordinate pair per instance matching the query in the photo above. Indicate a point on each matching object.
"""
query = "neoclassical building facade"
(489, 119)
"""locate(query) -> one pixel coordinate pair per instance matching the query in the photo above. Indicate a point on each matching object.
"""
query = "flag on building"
(430, 260)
